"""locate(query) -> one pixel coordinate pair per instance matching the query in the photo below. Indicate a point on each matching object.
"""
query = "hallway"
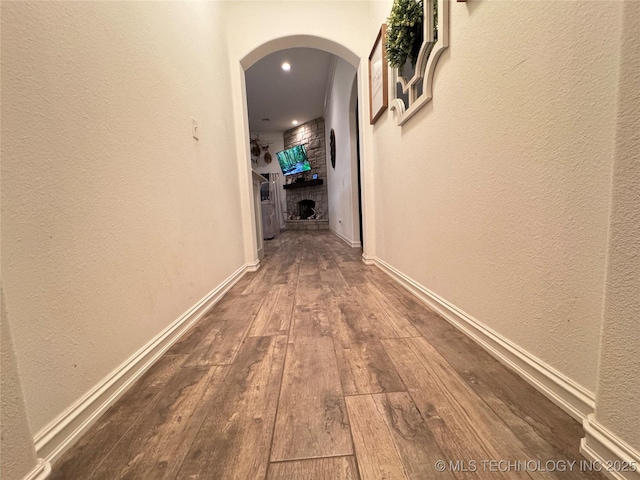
(318, 366)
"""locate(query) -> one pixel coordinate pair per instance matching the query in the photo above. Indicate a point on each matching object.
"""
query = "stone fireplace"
(299, 205)
(310, 197)
(302, 198)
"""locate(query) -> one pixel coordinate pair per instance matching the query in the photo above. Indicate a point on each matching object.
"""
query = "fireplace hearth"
(319, 224)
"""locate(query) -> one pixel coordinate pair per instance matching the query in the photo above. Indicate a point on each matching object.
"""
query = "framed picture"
(378, 89)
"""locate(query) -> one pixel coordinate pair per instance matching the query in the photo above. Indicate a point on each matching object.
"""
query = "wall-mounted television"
(294, 160)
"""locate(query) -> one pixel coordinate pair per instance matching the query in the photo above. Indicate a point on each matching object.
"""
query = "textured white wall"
(618, 393)
(17, 454)
(114, 220)
(342, 181)
(495, 196)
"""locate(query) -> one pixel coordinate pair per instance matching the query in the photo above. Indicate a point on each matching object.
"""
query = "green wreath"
(404, 33)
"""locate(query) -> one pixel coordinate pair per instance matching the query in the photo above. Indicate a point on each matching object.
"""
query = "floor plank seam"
(275, 415)
(302, 459)
(353, 445)
(375, 393)
(284, 363)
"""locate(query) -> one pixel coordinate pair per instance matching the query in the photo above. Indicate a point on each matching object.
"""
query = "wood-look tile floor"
(320, 367)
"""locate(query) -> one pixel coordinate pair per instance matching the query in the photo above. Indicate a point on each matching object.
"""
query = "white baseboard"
(54, 439)
(561, 390)
(351, 243)
(252, 266)
(368, 260)
(618, 460)
(40, 472)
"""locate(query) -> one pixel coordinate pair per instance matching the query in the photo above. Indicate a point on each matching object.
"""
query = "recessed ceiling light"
(286, 67)
(295, 122)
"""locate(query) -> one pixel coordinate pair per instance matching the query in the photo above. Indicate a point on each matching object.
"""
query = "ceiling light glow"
(286, 67)
(295, 122)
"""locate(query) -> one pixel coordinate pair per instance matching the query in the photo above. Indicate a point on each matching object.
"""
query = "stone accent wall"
(311, 135)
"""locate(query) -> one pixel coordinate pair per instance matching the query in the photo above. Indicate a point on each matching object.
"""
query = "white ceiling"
(284, 96)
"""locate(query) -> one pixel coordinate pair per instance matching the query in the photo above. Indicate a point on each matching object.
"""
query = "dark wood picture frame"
(378, 77)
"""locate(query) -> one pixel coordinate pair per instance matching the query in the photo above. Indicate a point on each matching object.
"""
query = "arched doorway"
(355, 90)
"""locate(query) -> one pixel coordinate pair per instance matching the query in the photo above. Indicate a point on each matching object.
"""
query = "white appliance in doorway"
(270, 203)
